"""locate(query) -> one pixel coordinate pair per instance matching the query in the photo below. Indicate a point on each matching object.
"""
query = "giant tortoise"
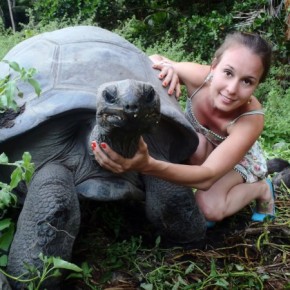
(93, 83)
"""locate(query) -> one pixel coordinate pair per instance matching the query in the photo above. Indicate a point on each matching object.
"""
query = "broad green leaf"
(61, 264)
(16, 177)
(14, 65)
(35, 85)
(5, 223)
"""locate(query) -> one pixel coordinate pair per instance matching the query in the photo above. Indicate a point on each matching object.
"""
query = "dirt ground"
(259, 247)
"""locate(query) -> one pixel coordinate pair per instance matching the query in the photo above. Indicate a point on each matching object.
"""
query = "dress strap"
(208, 77)
(254, 112)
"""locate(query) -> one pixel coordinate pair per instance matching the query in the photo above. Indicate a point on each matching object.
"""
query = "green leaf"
(35, 84)
(8, 98)
(4, 101)
(3, 158)
(239, 267)
(3, 260)
(157, 241)
(56, 273)
(6, 239)
(5, 196)
(26, 157)
(14, 65)
(223, 283)
(16, 177)
(5, 223)
(213, 271)
(74, 276)
(147, 286)
(190, 268)
(61, 264)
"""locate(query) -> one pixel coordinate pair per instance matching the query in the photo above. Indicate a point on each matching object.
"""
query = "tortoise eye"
(110, 95)
(150, 94)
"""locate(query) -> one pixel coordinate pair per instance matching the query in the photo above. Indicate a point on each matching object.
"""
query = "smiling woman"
(228, 168)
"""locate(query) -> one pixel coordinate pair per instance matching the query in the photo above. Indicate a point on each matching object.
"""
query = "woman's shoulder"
(194, 73)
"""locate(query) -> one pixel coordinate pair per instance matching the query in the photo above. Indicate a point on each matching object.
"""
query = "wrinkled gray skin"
(95, 85)
(4, 285)
(281, 171)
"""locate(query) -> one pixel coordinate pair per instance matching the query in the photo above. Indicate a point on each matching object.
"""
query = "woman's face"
(235, 77)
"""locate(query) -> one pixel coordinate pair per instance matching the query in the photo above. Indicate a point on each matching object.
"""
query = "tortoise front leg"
(48, 223)
(173, 210)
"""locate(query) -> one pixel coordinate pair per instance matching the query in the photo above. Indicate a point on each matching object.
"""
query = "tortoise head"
(125, 110)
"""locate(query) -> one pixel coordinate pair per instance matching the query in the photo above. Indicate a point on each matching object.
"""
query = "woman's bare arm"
(219, 162)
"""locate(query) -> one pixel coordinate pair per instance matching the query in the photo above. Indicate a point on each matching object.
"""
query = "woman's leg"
(230, 194)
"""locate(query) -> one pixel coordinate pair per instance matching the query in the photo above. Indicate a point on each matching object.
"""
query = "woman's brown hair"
(254, 42)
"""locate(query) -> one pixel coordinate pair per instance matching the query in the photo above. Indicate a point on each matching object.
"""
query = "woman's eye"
(228, 73)
(247, 82)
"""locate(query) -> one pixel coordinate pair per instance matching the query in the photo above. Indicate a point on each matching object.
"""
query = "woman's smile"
(225, 99)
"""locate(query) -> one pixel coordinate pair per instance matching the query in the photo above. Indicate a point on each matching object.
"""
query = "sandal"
(260, 217)
(210, 224)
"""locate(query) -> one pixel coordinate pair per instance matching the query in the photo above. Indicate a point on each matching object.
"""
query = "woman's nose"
(232, 86)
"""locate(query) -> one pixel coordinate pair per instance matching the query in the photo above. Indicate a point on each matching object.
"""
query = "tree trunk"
(11, 15)
(287, 6)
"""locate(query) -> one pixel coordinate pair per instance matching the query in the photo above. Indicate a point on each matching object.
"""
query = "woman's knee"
(211, 208)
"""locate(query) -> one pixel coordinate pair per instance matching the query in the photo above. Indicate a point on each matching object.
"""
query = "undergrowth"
(118, 245)
(237, 253)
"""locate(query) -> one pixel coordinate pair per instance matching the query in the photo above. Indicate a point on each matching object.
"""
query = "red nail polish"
(103, 145)
(94, 145)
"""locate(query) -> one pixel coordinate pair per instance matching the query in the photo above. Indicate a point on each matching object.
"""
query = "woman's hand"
(167, 74)
(114, 162)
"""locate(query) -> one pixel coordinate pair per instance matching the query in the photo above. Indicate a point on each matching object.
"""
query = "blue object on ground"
(210, 224)
(260, 217)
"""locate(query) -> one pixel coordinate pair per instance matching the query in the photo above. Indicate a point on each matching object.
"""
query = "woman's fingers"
(172, 80)
(112, 161)
(169, 77)
(107, 158)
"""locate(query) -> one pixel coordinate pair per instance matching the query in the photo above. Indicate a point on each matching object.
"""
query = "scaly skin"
(48, 223)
